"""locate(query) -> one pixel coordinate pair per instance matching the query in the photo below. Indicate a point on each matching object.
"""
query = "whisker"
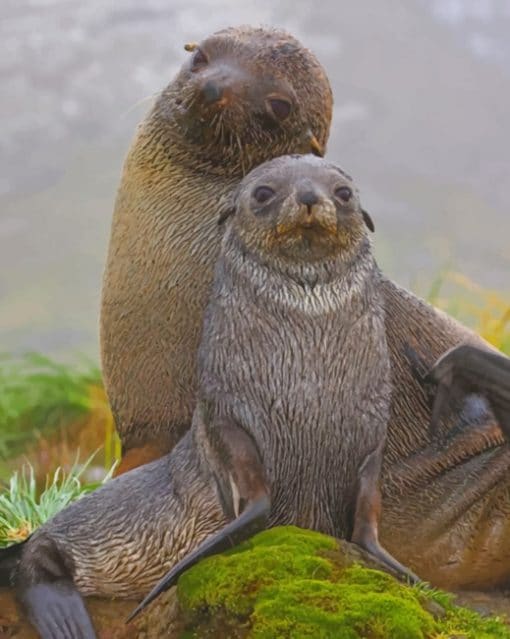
(147, 98)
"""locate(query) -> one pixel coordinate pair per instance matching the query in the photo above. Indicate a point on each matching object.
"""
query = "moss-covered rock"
(284, 583)
(288, 582)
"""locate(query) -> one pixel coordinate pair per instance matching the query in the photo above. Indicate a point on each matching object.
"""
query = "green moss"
(232, 582)
(308, 608)
(293, 583)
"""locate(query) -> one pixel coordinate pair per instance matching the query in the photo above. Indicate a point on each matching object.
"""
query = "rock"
(108, 616)
(285, 583)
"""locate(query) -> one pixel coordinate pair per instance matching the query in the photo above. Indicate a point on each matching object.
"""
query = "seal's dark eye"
(263, 194)
(198, 60)
(343, 193)
(279, 108)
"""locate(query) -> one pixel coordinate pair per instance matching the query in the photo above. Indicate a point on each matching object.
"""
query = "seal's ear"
(225, 213)
(368, 220)
(228, 206)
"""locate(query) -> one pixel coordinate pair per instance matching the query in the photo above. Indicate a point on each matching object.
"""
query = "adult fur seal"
(294, 398)
(245, 96)
(455, 482)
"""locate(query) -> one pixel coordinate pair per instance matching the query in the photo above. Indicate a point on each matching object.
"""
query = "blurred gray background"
(422, 109)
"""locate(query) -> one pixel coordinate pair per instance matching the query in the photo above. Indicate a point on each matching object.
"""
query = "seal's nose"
(212, 92)
(221, 84)
(309, 198)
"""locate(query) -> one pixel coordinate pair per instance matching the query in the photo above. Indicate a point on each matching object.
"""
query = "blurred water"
(422, 92)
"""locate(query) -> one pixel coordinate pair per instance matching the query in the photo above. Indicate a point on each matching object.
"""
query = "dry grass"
(484, 310)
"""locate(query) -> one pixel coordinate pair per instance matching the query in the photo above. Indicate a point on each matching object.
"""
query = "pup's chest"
(296, 367)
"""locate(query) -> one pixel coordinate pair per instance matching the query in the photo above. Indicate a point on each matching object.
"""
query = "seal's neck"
(347, 280)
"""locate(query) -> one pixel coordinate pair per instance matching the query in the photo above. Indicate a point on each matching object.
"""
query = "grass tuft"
(23, 507)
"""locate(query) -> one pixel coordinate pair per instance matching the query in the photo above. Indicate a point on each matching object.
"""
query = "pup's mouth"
(307, 227)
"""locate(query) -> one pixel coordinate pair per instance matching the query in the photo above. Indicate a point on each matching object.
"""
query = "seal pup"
(246, 95)
(295, 380)
(290, 425)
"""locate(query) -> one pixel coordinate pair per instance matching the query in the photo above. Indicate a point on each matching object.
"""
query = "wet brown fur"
(183, 164)
(446, 501)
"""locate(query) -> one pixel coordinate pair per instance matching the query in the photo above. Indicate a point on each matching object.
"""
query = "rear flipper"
(57, 611)
(466, 370)
(45, 589)
(117, 541)
(367, 514)
(244, 493)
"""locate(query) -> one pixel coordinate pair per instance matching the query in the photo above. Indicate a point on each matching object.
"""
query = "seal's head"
(247, 95)
(299, 209)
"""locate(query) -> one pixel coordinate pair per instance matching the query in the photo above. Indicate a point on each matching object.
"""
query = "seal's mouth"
(309, 237)
(308, 234)
(313, 226)
(309, 219)
(307, 228)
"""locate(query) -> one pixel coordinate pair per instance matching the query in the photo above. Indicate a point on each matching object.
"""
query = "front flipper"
(367, 514)
(244, 492)
(467, 370)
(45, 590)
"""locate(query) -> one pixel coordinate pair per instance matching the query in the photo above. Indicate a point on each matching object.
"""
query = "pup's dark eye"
(263, 194)
(198, 60)
(343, 193)
(279, 108)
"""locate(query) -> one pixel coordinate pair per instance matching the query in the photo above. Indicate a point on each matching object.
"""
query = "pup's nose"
(309, 198)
